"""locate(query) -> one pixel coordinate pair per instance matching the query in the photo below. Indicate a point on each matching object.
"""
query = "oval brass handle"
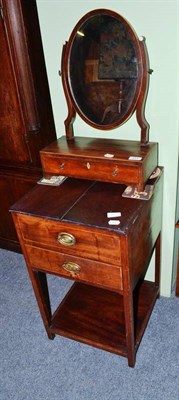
(71, 267)
(67, 239)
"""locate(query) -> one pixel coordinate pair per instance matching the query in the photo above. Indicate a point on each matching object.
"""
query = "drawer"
(92, 272)
(71, 239)
(108, 171)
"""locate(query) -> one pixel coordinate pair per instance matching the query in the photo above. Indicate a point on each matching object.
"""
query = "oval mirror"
(103, 67)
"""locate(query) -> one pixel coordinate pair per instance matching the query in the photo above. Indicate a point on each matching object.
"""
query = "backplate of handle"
(66, 239)
(71, 267)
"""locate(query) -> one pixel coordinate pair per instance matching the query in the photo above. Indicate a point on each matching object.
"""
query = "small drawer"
(75, 268)
(71, 239)
(108, 171)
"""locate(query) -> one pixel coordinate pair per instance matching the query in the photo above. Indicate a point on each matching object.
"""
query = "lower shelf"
(96, 316)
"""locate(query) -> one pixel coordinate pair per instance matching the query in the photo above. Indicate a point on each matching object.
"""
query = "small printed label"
(113, 214)
(135, 158)
(113, 222)
(108, 155)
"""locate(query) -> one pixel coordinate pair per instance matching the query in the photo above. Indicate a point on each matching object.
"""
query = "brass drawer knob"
(71, 267)
(115, 171)
(61, 166)
(67, 239)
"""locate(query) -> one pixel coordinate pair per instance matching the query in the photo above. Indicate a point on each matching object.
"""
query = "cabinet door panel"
(12, 141)
(11, 189)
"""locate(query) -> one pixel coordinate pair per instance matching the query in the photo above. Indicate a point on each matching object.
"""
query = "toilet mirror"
(104, 72)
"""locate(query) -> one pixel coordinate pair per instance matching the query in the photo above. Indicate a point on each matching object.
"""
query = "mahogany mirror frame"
(139, 99)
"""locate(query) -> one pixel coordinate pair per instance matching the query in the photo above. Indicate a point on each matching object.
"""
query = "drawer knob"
(71, 267)
(66, 239)
(115, 171)
(61, 166)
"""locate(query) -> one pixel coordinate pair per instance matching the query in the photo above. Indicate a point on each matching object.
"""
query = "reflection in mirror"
(103, 69)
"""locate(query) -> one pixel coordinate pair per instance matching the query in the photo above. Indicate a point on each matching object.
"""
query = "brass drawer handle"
(66, 239)
(71, 267)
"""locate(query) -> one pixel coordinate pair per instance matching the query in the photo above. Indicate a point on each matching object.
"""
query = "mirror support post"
(71, 111)
(140, 109)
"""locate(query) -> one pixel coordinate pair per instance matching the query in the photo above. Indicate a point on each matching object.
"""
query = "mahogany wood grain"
(110, 303)
(12, 140)
(39, 283)
(87, 158)
(24, 95)
(13, 185)
(55, 201)
(96, 316)
(71, 111)
(13, 14)
(88, 242)
(26, 119)
(92, 272)
(80, 208)
(140, 109)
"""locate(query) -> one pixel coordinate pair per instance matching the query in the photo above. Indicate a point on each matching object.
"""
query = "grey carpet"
(34, 368)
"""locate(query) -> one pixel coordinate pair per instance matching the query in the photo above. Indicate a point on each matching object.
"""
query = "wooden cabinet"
(67, 234)
(26, 120)
(68, 230)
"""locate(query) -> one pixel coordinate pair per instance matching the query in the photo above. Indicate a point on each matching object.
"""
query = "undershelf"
(96, 316)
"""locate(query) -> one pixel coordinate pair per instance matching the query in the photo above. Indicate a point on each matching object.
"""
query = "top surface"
(96, 148)
(82, 202)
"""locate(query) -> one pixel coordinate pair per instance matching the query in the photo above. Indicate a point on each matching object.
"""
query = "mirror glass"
(104, 69)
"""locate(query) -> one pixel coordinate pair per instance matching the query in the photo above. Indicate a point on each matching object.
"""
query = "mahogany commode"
(107, 263)
(65, 230)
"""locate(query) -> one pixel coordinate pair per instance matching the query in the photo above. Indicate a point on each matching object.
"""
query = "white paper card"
(135, 158)
(108, 155)
(113, 214)
(113, 222)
